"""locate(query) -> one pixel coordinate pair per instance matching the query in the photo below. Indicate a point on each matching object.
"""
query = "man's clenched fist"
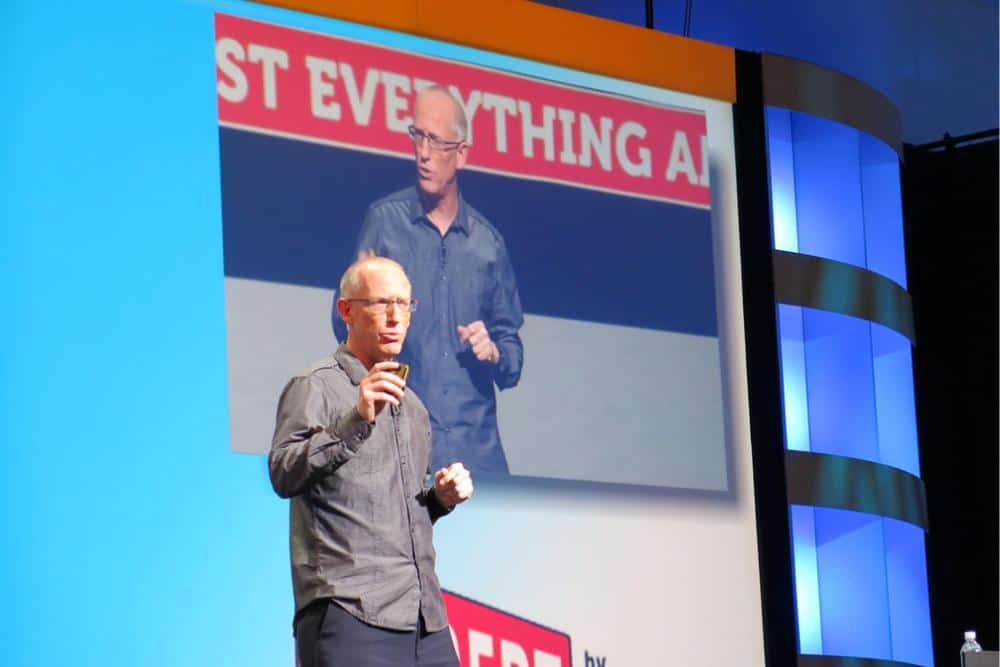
(478, 338)
(452, 485)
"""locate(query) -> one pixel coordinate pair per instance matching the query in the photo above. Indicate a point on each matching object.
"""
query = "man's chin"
(428, 188)
(391, 350)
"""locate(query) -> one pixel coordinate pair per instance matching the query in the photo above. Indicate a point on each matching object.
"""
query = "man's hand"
(378, 388)
(452, 485)
(478, 338)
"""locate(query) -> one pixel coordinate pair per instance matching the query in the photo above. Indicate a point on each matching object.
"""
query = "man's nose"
(392, 311)
(424, 149)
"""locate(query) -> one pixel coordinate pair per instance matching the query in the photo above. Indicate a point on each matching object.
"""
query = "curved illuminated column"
(857, 508)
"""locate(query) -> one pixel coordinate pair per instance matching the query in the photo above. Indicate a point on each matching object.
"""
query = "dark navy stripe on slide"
(292, 211)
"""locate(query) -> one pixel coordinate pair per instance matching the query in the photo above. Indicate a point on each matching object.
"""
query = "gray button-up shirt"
(361, 512)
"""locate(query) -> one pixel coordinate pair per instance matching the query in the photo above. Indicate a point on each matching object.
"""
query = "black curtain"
(950, 198)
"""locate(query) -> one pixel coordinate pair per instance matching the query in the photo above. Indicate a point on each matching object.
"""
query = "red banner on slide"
(314, 87)
(488, 637)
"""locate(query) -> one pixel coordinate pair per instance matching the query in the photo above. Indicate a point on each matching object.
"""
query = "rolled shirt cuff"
(350, 428)
(436, 508)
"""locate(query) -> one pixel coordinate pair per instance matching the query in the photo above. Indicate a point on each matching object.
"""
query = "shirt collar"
(460, 223)
(355, 370)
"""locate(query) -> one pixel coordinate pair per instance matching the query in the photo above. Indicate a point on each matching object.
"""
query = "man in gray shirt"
(352, 449)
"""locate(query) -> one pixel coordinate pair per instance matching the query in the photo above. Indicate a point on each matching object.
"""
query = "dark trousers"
(328, 636)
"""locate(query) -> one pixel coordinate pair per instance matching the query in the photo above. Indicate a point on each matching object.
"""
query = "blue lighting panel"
(894, 406)
(883, 209)
(841, 393)
(853, 590)
(781, 165)
(829, 211)
(835, 193)
(806, 579)
(906, 566)
(793, 378)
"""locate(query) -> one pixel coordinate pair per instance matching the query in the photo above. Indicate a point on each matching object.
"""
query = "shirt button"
(444, 354)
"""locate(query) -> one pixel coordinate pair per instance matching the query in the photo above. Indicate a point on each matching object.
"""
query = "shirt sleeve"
(305, 445)
(369, 239)
(434, 507)
(505, 321)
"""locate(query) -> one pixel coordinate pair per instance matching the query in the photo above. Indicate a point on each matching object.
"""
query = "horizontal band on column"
(826, 284)
(801, 86)
(827, 480)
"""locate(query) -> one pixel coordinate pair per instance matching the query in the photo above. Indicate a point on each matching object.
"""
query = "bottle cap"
(970, 635)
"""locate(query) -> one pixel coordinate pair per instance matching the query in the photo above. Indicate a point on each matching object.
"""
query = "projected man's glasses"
(382, 305)
(436, 143)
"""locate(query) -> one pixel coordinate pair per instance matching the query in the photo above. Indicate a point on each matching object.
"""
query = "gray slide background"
(616, 404)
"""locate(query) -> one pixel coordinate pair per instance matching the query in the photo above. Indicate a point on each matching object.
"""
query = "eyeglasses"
(436, 143)
(382, 305)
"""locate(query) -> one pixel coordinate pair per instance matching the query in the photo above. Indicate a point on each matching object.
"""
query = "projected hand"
(378, 388)
(452, 485)
(478, 338)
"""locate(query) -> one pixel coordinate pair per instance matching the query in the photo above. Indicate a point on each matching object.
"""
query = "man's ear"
(344, 308)
(461, 155)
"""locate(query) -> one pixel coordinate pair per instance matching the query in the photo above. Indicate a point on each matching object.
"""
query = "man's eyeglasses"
(382, 305)
(436, 143)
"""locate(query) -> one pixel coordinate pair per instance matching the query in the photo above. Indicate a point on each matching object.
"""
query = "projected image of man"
(352, 449)
(464, 340)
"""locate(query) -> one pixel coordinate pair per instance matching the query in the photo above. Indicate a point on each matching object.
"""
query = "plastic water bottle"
(970, 645)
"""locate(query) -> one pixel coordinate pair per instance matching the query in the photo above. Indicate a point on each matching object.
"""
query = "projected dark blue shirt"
(458, 278)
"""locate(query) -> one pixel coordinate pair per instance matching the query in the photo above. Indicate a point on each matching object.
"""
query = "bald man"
(464, 340)
(352, 449)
